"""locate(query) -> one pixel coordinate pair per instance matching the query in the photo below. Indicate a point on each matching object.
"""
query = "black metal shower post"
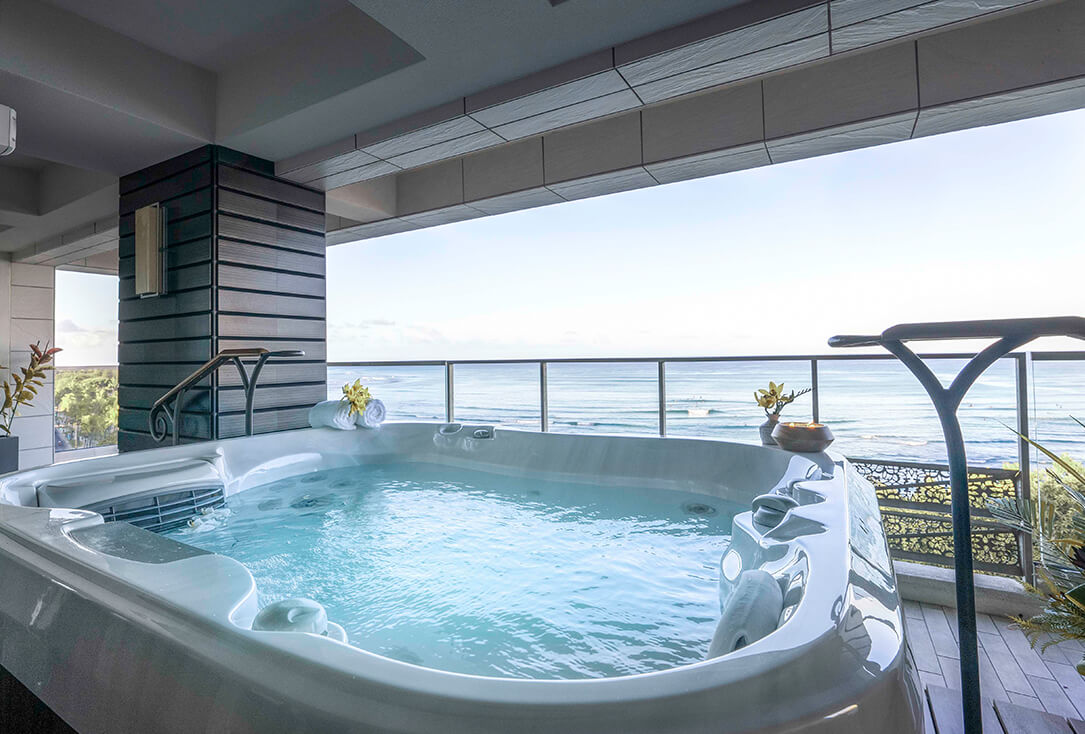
(1010, 335)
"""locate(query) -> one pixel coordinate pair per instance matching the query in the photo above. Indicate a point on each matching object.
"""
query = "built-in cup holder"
(450, 429)
(769, 509)
(298, 615)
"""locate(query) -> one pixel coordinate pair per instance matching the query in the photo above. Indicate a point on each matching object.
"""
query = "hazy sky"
(985, 223)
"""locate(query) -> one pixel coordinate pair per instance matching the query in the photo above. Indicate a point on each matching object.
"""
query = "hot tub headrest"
(297, 615)
(752, 612)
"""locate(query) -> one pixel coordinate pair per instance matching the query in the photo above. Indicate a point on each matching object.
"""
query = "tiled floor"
(1010, 670)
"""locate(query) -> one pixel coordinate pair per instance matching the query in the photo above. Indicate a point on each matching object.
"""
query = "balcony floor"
(1017, 681)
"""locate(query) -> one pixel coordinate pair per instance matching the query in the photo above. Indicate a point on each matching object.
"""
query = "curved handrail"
(157, 421)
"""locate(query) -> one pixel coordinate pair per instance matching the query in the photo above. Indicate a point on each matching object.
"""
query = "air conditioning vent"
(163, 511)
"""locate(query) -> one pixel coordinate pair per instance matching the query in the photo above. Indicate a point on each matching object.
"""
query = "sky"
(983, 223)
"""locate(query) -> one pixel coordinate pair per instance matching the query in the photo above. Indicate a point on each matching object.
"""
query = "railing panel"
(1056, 396)
(506, 394)
(728, 410)
(603, 397)
(877, 409)
(915, 497)
(413, 392)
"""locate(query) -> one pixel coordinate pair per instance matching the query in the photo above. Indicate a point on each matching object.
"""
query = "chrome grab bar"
(163, 422)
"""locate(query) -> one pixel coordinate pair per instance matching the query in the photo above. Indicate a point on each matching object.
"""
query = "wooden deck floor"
(1026, 690)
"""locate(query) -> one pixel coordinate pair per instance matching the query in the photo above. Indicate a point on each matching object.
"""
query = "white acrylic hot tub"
(121, 630)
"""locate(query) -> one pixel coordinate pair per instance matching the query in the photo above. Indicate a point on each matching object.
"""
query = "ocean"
(876, 409)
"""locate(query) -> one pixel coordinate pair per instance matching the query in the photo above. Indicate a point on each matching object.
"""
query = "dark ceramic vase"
(766, 430)
(9, 454)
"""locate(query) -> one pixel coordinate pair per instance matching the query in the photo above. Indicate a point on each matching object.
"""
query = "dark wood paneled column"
(245, 260)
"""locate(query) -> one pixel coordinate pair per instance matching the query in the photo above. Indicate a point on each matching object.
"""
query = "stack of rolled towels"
(336, 414)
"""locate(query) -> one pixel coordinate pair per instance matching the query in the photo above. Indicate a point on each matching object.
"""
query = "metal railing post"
(1024, 481)
(815, 408)
(544, 399)
(450, 394)
(661, 381)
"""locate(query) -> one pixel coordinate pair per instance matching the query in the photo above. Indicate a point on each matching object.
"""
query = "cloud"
(365, 324)
(71, 336)
(384, 331)
(70, 327)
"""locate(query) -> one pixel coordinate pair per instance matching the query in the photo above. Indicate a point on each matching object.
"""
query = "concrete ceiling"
(115, 85)
(107, 87)
(211, 35)
(467, 45)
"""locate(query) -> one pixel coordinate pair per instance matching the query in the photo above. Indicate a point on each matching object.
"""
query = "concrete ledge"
(994, 594)
(66, 455)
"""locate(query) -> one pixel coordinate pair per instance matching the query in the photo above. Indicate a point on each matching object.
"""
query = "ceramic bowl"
(802, 437)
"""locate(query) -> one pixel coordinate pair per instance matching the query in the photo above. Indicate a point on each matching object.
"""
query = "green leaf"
(1054, 457)
(1077, 596)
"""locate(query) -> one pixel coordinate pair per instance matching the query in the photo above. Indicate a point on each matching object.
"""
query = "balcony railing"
(915, 504)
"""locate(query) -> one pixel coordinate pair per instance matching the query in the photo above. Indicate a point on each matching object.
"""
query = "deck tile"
(1073, 684)
(951, 619)
(1017, 719)
(1027, 658)
(1027, 701)
(1009, 672)
(928, 720)
(951, 671)
(984, 623)
(990, 683)
(946, 708)
(1053, 697)
(932, 679)
(1052, 653)
(922, 649)
(938, 627)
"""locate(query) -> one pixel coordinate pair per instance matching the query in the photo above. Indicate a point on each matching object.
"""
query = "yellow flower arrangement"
(357, 395)
(774, 399)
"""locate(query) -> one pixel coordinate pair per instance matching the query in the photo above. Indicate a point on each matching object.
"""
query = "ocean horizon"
(876, 409)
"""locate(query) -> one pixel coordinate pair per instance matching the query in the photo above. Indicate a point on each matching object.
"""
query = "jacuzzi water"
(480, 573)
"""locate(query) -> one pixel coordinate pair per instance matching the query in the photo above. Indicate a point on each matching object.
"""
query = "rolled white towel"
(332, 414)
(373, 415)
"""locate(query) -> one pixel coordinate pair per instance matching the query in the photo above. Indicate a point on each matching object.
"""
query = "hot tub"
(121, 629)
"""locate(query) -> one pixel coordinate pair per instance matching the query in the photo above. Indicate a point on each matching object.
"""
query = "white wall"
(26, 317)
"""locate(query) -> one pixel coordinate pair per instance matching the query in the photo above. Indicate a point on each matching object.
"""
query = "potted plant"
(773, 401)
(1056, 521)
(20, 388)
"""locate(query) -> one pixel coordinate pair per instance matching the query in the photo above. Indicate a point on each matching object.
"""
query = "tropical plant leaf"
(1062, 464)
(1069, 488)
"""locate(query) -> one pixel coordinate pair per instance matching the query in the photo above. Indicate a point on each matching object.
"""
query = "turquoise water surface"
(478, 573)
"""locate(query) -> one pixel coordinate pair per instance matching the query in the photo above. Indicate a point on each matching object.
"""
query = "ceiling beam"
(738, 44)
(75, 244)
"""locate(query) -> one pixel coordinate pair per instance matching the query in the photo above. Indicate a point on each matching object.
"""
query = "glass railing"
(880, 415)
(85, 405)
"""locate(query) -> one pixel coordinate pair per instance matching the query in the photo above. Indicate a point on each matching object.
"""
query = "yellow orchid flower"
(774, 399)
(357, 395)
